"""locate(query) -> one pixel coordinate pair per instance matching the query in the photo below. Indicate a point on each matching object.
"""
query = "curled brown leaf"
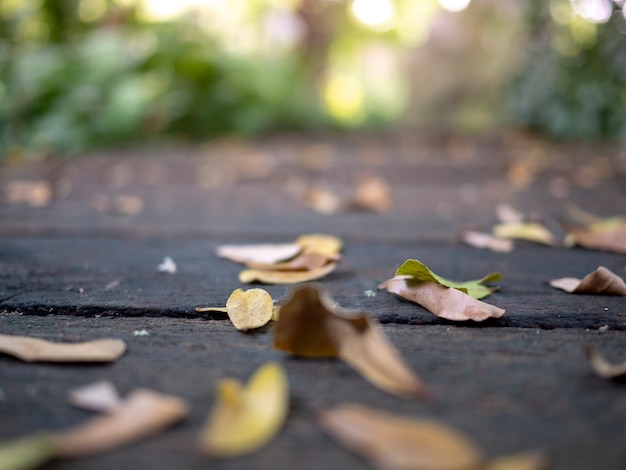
(600, 281)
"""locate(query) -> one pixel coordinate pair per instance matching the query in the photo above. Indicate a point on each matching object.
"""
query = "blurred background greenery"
(82, 74)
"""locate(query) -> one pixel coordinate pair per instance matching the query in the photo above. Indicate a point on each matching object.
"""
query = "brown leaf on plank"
(30, 349)
(607, 235)
(604, 368)
(248, 276)
(394, 442)
(601, 281)
(309, 325)
(142, 414)
(302, 262)
(444, 302)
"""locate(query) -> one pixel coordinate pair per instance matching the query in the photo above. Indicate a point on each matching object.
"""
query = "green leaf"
(27, 453)
(420, 272)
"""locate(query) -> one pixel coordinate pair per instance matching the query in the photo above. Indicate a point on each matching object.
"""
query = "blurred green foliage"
(573, 83)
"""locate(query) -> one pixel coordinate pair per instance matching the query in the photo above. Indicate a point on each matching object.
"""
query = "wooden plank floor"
(77, 270)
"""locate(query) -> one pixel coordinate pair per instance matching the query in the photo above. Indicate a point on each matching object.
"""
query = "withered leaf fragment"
(601, 281)
(143, 413)
(420, 272)
(444, 302)
(245, 418)
(393, 442)
(604, 368)
(30, 349)
(607, 234)
(310, 326)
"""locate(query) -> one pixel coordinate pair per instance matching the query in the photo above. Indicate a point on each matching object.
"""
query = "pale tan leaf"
(600, 281)
(444, 302)
(488, 241)
(246, 418)
(507, 214)
(143, 413)
(263, 253)
(248, 276)
(249, 309)
(324, 200)
(99, 396)
(529, 231)
(393, 442)
(33, 193)
(321, 244)
(604, 368)
(38, 350)
(310, 326)
(524, 461)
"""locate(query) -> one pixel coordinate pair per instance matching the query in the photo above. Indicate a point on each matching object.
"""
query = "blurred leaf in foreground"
(604, 368)
(27, 452)
(245, 418)
(38, 350)
(600, 281)
(309, 325)
(393, 442)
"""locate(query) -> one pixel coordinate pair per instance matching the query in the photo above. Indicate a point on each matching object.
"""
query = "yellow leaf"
(394, 442)
(38, 350)
(244, 419)
(601, 281)
(444, 302)
(326, 245)
(529, 231)
(27, 452)
(309, 326)
(249, 309)
(142, 414)
(248, 276)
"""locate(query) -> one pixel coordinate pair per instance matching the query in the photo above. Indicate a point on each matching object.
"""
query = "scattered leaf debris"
(246, 418)
(30, 349)
(601, 281)
(310, 326)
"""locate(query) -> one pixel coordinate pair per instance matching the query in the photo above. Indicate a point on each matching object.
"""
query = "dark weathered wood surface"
(69, 272)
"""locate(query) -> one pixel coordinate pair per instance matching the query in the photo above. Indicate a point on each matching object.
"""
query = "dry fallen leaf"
(263, 253)
(249, 309)
(321, 244)
(33, 193)
(99, 396)
(604, 368)
(606, 234)
(323, 200)
(444, 302)
(485, 240)
(245, 418)
(38, 350)
(248, 276)
(372, 193)
(141, 414)
(308, 325)
(529, 231)
(601, 281)
(302, 262)
(418, 271)
(393, 442)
